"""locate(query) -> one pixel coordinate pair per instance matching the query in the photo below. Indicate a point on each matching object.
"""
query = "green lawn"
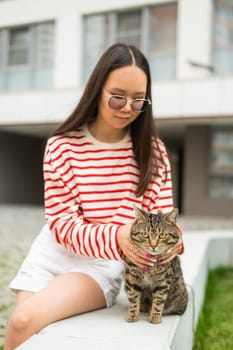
(215, 325)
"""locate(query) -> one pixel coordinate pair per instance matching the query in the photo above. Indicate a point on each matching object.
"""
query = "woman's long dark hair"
(142, 129)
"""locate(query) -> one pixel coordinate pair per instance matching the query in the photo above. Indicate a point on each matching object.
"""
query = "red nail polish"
(145, 268)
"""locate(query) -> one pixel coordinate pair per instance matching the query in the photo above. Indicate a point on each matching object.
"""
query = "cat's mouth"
(154, 253)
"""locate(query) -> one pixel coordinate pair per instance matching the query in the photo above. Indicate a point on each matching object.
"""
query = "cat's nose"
(153, 244)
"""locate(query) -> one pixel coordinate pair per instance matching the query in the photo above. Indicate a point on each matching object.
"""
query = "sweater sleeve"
(64, 215)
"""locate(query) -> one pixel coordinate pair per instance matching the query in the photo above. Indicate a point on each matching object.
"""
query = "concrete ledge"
(106, 329)
(204, 251)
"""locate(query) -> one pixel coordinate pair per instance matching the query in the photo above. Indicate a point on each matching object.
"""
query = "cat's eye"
(145, 234)
(162, 235)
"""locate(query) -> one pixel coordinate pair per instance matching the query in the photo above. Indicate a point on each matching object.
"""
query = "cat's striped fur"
(161, 289)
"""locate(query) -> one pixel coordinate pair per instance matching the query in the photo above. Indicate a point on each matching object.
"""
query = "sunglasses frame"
(109, 96)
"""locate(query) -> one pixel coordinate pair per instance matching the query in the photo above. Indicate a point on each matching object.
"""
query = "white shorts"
(47, 259)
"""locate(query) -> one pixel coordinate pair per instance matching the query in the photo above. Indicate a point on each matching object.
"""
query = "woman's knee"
(20, 320)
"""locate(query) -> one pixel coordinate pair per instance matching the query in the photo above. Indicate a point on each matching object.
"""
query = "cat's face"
(155, 233)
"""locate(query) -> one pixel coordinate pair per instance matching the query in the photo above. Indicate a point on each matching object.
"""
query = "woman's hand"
(129, 249)
(171, 253)
(138, 257)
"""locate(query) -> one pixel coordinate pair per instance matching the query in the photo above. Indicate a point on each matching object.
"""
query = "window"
(221, 163)
(18, 47)
(152, 29)
(162, 46)
(129, 28)
(96, 31)
(17, 74)
(26, 58)
(223, 37)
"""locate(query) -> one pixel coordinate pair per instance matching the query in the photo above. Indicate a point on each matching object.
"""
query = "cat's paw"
(131, 317)
(155, 319)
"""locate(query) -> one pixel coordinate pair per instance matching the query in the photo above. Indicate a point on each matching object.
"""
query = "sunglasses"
(118, 102)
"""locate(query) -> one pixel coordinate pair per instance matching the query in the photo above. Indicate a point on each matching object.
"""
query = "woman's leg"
(67, 295)
(21, 296)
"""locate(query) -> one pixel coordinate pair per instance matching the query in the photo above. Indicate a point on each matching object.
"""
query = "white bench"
(106, 329)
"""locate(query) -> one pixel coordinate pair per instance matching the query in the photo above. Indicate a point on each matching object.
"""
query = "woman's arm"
(64, 216)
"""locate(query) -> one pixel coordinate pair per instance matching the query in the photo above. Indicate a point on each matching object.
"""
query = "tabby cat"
(160, 289)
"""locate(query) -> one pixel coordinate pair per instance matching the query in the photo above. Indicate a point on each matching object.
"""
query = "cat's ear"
(172, 216)
(141, 215)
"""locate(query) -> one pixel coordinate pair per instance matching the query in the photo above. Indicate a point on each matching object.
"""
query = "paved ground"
(20, 224)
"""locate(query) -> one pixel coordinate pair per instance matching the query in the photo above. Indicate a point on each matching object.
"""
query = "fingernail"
(145, 268)
(169, 251)
(161, 264)
(147, 255)
(154, 260)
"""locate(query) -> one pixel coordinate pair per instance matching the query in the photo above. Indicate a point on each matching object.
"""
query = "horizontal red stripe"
(64, 209)
(126, 173)
(115, 199)
(122, 190)
(130, 217)
(57, 195)
(69, 144)
(166, 197)
(108, 183)
(91, 159)
(89, 167)
(71, 148)
(166, 189)
(95, 208)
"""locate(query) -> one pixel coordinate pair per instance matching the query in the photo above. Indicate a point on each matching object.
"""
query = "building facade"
(47, 51)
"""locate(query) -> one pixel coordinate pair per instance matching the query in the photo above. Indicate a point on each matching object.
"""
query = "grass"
(215, 324)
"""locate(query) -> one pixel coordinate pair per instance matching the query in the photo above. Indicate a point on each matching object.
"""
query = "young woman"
(104, 159)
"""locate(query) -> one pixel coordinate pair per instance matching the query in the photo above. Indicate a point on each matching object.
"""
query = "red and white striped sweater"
(90, 191)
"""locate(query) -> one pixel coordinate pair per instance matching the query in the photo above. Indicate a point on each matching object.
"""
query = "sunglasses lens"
(117, 102)
(138, 105)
